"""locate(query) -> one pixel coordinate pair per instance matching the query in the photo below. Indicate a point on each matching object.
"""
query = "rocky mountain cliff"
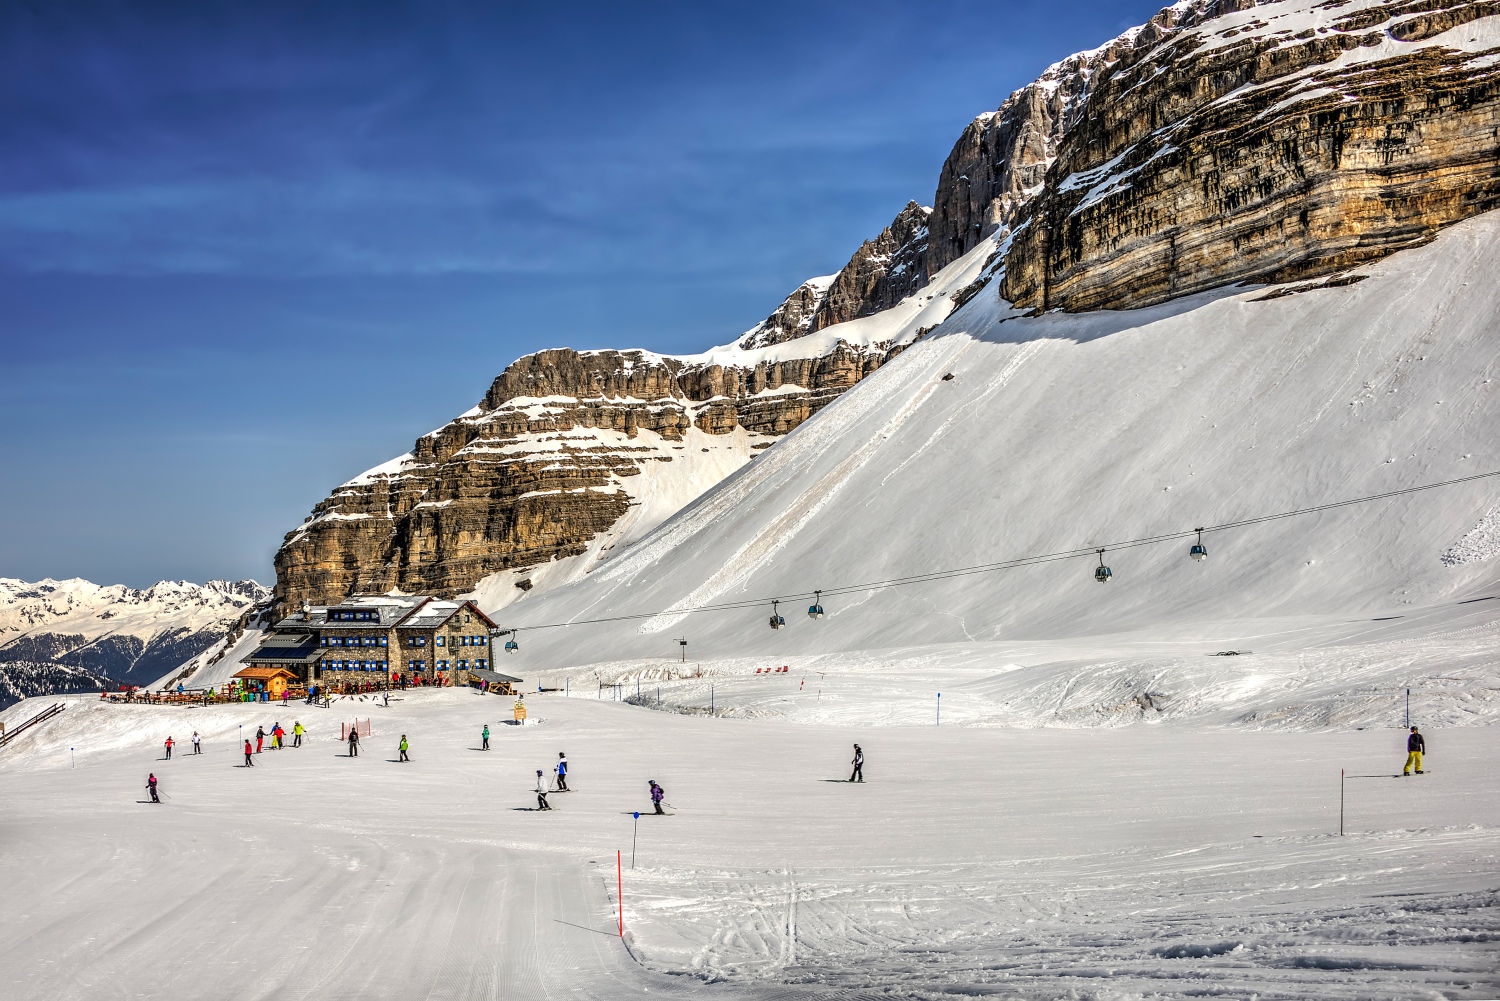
(112, 630)
(1234, 141)
(1223, 141)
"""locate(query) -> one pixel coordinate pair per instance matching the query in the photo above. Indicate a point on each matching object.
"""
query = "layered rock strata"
(1281, 141)
(543, 465)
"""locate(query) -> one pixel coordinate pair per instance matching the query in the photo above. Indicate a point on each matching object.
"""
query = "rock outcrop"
(1264, 144)
(548, 461)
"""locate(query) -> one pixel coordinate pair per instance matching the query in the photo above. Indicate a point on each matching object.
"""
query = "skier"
(197, 743)
(541, 791)
(169, 748)
(297, 733)
(858, 775)
(151, 785)
(657, 795)
(484, 737)
(354, 741)
(276, 732)
(1415, 747)
(562, 772)
(403, 748)
(260, 736)
(249, 761)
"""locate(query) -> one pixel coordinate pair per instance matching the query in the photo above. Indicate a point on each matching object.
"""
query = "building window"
(481, 639)
(385, 641)
(439, 641)
(442, 665)
(479, 664)
(463, 663)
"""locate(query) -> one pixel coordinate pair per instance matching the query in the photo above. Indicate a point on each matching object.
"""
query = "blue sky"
(249, 250)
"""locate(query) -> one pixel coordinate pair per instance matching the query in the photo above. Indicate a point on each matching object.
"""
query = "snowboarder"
(151, 787)
(249, 761)
(657, 795)
(197, 743)
(541, 791)
(260, 736)
(169, 748)
(403, 748)
(484, 738)
(858, 775)
(562, 772)
(297, 733)
(1415, 747)
(354, 741)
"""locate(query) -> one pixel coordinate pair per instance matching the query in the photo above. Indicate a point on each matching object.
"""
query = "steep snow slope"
(1067, 431)
(120, 631)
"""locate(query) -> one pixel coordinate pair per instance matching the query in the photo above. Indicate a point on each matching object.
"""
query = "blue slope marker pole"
(633, 834)
(939, 709)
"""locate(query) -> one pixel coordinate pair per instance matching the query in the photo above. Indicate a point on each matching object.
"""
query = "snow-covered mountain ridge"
(1222, 141)
(126, 633)
(1068, 431)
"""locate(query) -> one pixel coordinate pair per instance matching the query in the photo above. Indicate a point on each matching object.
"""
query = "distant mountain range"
(80, 634)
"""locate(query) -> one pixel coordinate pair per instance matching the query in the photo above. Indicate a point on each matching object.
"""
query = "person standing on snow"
(657, 795)
(562, 772)
(197, 743)
(260, 736)
(354, 741)
(858, 775)
(402, 749)
(297, 733)
(169, 748)
(541, 791)
(151, 787)
(249, 761)
(1415, 748)
(484, 738)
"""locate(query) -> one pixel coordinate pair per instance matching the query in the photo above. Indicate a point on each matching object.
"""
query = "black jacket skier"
(858, 775)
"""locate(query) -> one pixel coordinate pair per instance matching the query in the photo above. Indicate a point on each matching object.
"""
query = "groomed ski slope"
(1086, 863)
(1071, 431)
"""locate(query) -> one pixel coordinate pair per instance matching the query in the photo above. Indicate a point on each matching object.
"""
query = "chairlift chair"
(1102, 573)
(1199, 552)
(815, 611)
(777, 622)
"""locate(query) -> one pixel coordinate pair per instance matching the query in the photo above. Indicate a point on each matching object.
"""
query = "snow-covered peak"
(81, 607)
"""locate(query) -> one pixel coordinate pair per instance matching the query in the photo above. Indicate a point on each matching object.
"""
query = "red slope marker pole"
(620, 891)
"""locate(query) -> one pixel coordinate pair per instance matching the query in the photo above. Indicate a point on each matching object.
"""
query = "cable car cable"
(1066, 554)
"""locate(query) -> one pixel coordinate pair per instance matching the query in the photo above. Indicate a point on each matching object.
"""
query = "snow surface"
(1172, 860)
(1073, 431)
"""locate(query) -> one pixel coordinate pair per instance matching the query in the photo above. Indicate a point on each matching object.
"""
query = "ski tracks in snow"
(777, 534)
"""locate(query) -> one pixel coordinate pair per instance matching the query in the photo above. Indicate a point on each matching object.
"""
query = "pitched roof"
(264, 673)
(435, 613)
